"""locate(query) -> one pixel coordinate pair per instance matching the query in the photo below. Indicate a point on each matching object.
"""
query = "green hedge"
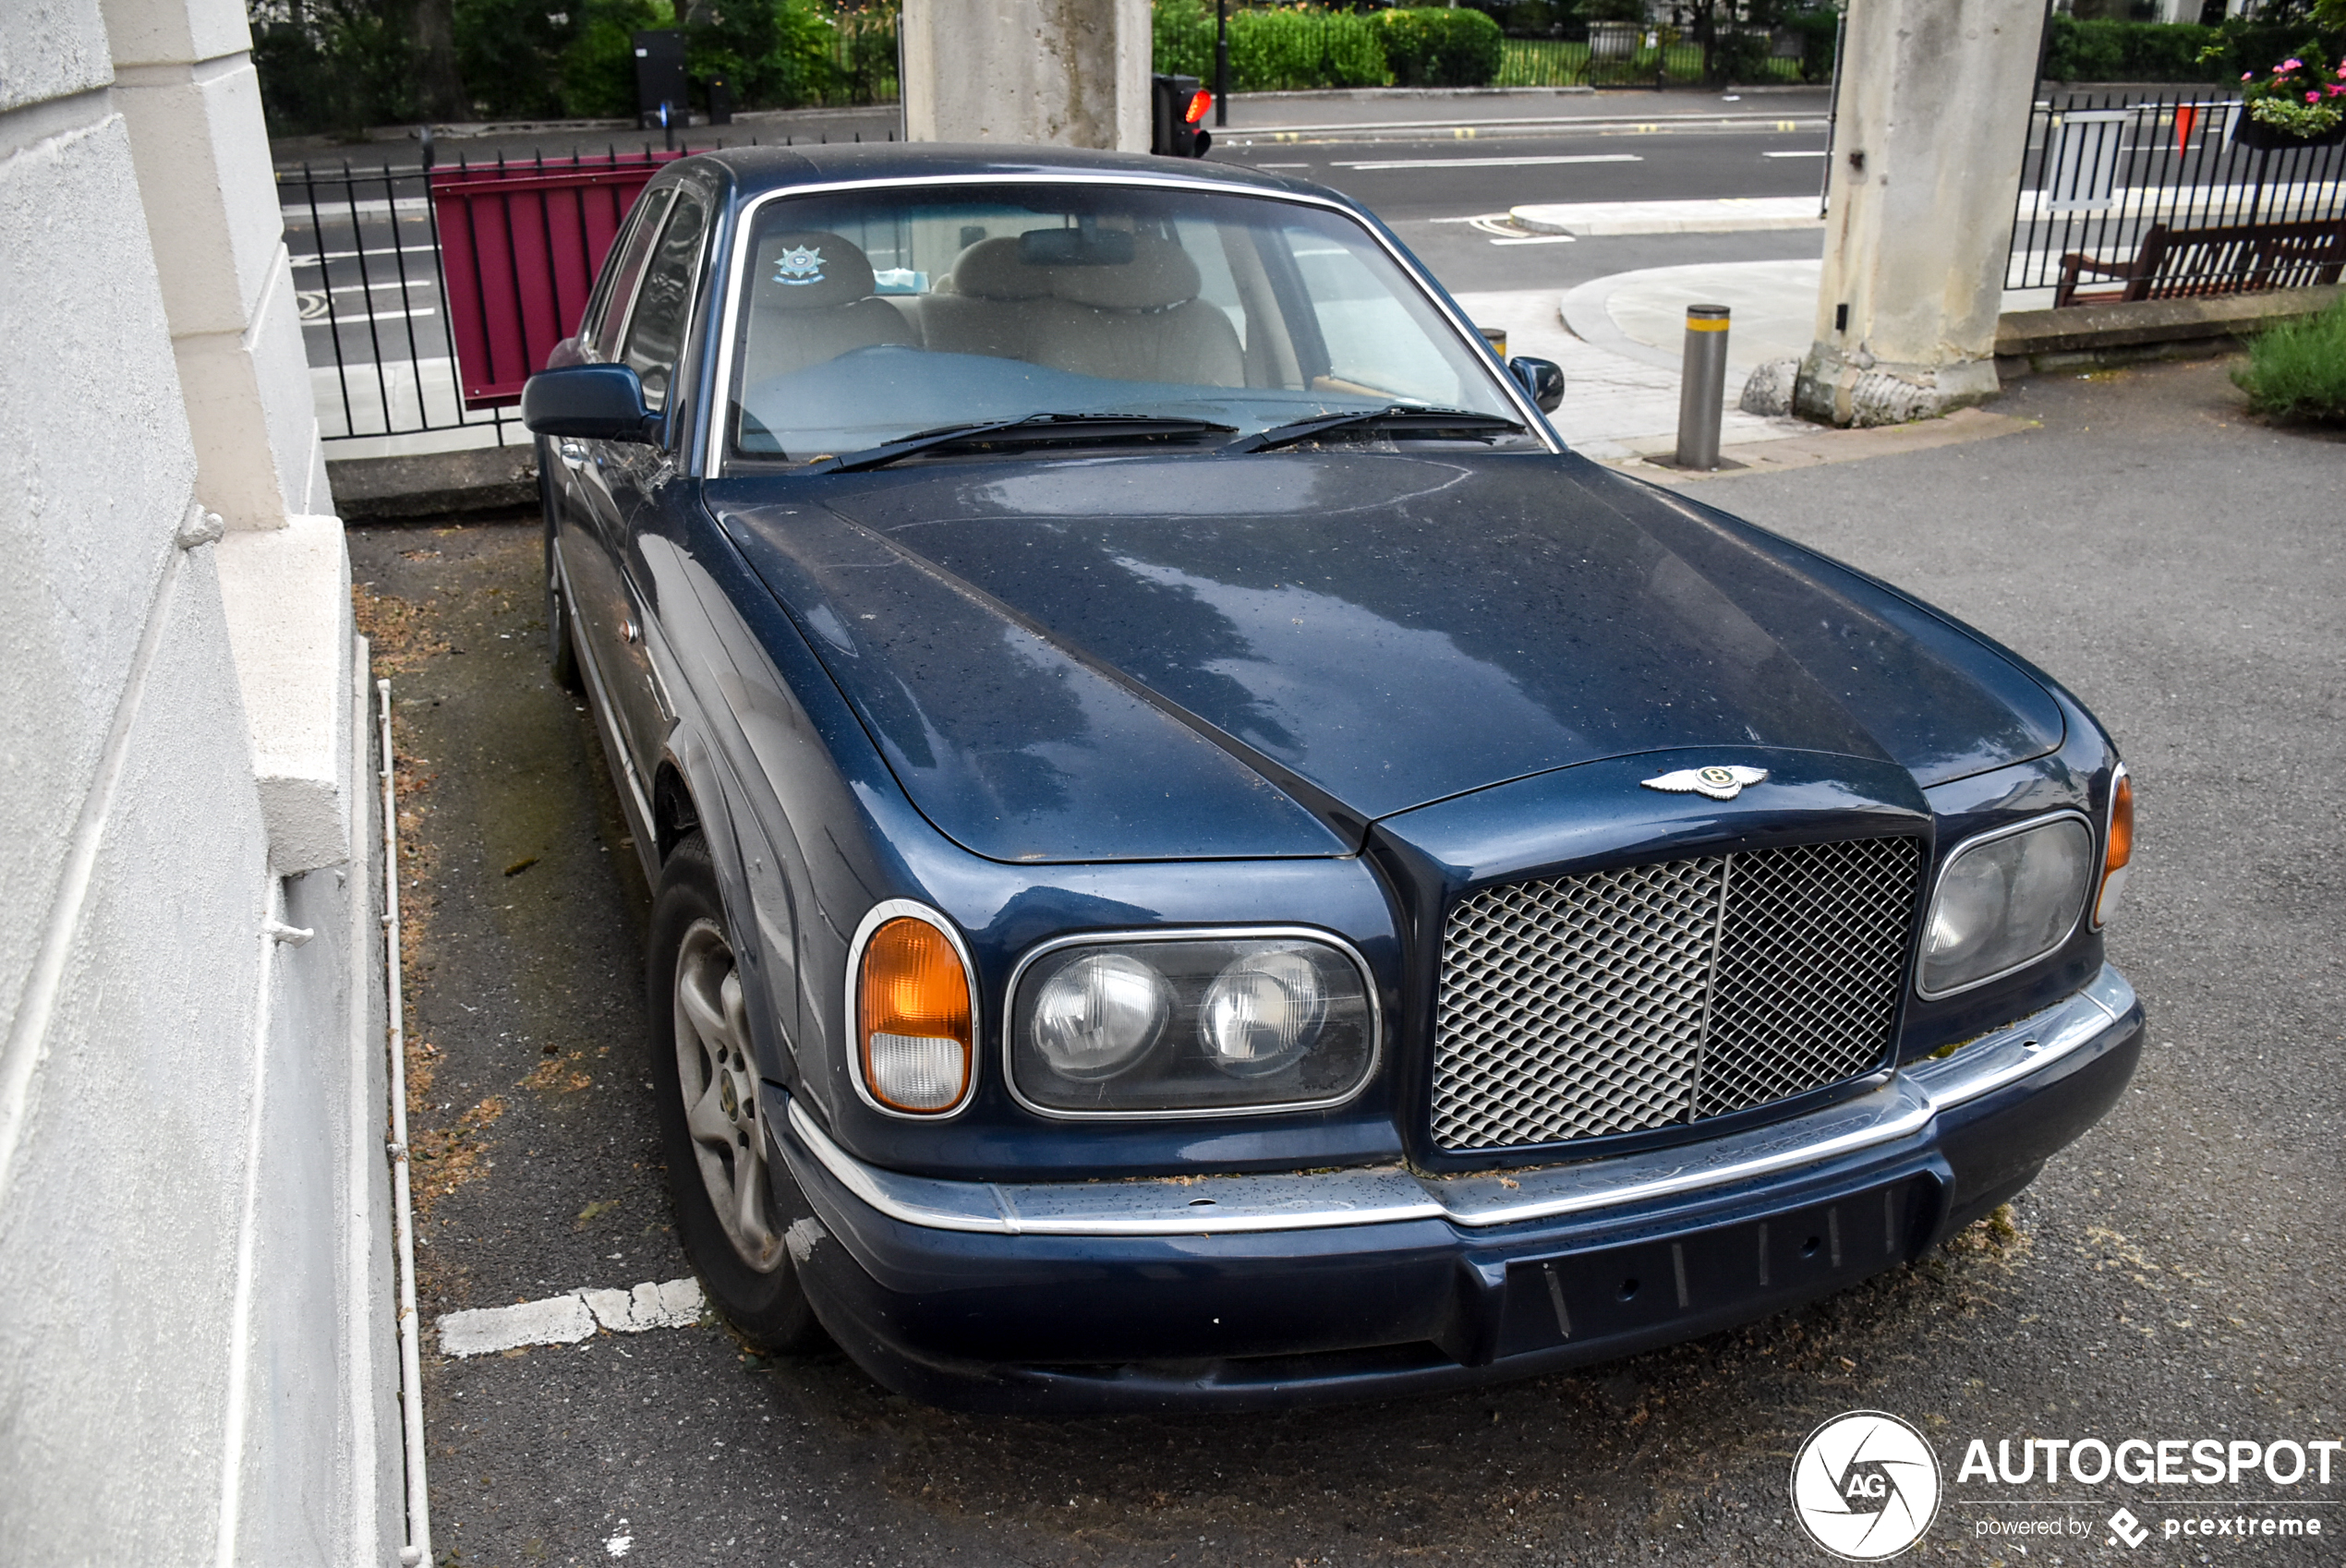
(1426, 47)
(353, 62)
(1295, 47)
(2106, 51)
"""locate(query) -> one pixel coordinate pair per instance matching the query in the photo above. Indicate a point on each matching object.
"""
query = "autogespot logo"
(1864, 1485)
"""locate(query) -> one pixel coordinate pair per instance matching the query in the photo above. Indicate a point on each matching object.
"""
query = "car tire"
(704, 1076)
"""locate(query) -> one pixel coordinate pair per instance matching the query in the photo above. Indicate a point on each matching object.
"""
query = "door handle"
(571, 452)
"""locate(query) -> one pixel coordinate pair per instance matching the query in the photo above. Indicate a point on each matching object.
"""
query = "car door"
(633, 476)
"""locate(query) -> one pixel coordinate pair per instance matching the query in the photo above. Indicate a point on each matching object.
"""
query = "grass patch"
(2298, 370)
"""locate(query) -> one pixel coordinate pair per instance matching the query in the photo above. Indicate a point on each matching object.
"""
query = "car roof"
(756, 170)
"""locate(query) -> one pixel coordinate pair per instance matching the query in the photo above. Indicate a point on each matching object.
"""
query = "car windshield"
(867, 317)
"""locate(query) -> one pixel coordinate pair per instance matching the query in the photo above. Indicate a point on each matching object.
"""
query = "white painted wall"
(1057, 73)
(194, 1309)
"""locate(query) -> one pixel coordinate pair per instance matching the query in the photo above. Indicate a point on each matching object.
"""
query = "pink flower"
(2248, 76)
(2292, 65)
(2312, 98)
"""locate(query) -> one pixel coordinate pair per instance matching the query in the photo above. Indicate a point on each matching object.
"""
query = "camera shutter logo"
(1864, 1485)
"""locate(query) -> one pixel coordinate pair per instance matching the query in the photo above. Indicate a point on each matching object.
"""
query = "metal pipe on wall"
(411, 1376)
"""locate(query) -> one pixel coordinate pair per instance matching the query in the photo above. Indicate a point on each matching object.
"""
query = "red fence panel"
(519, 247)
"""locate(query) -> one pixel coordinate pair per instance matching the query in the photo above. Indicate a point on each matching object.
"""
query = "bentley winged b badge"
(1719, 783)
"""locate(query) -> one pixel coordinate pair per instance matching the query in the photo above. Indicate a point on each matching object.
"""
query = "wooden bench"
(2172, 263)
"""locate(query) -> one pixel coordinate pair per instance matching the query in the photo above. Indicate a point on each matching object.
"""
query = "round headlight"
(1262, 1014)
(1094, 1018)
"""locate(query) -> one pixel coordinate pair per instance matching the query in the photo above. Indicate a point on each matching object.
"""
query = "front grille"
(1618, 1001)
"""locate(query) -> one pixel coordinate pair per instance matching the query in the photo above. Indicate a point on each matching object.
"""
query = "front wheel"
(705, 1077)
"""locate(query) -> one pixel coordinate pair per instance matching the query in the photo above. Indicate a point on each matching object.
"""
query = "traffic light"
(1178, 107)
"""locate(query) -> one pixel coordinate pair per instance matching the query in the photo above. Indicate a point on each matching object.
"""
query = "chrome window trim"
(1930, 906)
(745, 220)
(654, 223)
(1905, 1105)
(702, 258)
(1196, 933)
(2102, 868)
(877, 916)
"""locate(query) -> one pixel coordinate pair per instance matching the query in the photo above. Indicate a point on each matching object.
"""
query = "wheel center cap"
(725, 1094)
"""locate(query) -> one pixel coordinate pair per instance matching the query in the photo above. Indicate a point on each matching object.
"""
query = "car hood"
(1146, 657)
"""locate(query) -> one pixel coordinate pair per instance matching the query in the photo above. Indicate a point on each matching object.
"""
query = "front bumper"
(1248, 1290)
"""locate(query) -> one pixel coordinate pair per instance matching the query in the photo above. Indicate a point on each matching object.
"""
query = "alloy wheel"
(718, 1082)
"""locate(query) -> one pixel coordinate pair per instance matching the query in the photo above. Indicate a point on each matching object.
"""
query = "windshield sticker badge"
(798, 266)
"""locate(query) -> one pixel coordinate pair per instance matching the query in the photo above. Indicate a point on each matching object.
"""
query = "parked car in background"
(1203, 857)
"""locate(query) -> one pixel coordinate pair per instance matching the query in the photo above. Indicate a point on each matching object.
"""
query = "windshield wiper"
(1398, 419)
(1034, 429)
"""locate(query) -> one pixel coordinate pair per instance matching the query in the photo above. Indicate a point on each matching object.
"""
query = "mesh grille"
(1623, 1000)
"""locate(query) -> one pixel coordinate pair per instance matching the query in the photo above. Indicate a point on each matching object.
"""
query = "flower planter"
(2248, 131)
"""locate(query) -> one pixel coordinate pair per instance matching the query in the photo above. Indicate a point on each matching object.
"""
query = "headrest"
(1159, 274)
(809, 269)
(991, 270)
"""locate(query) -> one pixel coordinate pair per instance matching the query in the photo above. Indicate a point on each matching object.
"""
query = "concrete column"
(1059, 73)
(185, 85)
(1933, 116)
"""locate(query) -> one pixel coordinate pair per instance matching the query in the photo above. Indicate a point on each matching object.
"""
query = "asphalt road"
(2171, 1277)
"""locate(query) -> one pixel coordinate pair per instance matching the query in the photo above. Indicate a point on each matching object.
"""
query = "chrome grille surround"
(1622, 1001)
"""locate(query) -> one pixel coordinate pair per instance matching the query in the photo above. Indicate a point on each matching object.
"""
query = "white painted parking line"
(1800, 152)
(1495, 163)
(571, 1317)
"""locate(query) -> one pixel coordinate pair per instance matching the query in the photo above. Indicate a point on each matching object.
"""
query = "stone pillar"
(1932, 118)
(185, 85)
(1060, 73)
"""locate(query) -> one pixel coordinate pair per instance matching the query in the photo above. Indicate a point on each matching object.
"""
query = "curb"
(2051, 340)
(432, 485)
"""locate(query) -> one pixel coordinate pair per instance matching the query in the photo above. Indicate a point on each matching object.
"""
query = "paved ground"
(2172, 1277)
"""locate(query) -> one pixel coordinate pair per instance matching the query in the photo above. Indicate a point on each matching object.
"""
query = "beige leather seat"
(811, 301)
(981, 306)
(1139, 320)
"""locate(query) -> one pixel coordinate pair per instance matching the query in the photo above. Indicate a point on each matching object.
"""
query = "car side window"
(608, 312)
(655, 329)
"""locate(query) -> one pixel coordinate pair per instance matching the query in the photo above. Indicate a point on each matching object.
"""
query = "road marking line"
(1803, 152)
(1494, 162)
(571, 1317)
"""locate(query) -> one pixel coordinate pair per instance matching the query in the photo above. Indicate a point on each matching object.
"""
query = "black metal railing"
(2102, 169)
(365, 245)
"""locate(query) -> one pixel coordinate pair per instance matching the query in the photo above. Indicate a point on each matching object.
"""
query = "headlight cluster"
(2005, 900)
(1190, 1024)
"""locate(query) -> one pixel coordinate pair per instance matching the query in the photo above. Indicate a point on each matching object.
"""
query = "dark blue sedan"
(1203, 859)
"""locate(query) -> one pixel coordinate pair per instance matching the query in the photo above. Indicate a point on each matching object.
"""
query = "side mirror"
(1542, 379)
(602, 402)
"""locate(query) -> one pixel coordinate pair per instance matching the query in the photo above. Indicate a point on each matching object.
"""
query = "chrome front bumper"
(1903, 1108)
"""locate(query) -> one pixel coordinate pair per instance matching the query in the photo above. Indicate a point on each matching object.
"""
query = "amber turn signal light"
(913, 1024)
(2118, 851)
